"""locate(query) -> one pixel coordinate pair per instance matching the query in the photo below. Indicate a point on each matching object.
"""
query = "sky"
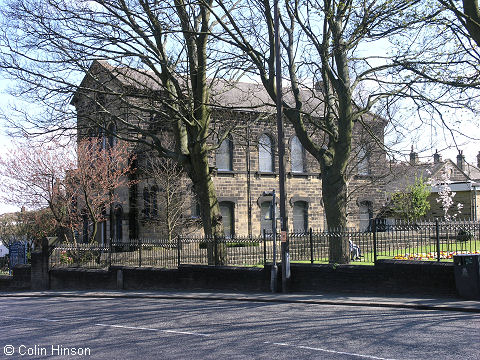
(466, 125)
(5, 141)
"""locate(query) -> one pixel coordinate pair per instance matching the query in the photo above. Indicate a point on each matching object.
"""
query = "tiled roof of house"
(224, 94)
(404, 174)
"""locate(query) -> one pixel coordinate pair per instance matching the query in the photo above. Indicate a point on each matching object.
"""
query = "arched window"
(195, 208)
(265, 154)
(300, 217)
(153, 200)
(118, 223)
(363, 167)
(224, 156)
(265, 217)
(297, 155)
(365, 215)
(111, 133)
(146, 202)
(103, 227)
(85, 228)
(228, 220)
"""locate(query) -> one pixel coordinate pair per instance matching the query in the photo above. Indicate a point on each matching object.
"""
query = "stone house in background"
(463, 179)
(244, 166)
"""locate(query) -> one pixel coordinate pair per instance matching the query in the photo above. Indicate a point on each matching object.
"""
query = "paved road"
(137, 328)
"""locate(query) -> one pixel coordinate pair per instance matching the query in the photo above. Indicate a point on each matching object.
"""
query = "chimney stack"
(413, 157)
(478, 159)
(437, 158)
(461, 160)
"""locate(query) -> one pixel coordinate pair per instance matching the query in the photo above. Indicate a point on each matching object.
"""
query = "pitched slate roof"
(224, 94)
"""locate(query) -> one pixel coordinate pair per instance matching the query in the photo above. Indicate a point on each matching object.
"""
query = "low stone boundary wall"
(82, 279)
(185, 277)
(19, 280)
(387, 277)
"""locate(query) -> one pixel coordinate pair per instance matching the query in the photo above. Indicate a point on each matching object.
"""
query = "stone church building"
(244, 166)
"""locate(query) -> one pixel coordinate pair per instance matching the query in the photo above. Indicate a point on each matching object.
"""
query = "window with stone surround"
(363, 162)
(297, 156)
(118, 223)
(146, 202)
(265, 154)
(154, 200)
(365, 215)
(224, 156)
(228, 220)
(111, 133)
(300, 217)
(265, 217)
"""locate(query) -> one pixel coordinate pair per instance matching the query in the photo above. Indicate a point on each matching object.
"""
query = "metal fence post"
(311, 246)
(437, 237)
(179, 243)
(110, 253)
(264, 247)
(140, 252)
(215, 244)
(374, 230)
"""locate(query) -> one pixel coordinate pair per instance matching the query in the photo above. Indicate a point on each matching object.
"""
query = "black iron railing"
(428, 240)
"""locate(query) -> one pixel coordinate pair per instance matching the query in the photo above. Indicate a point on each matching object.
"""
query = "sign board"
(17, 253)
(283, 236)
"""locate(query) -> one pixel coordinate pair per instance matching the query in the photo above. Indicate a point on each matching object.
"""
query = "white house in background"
(3, 250)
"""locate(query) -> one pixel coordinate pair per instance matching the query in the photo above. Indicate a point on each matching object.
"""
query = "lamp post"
(272, 216)
(281, 154)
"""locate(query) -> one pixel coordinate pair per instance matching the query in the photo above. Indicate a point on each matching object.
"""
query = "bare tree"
(64, 181)
(93, 184)
(170, 196)
(327, 47)
(170, 45)
(33, 176)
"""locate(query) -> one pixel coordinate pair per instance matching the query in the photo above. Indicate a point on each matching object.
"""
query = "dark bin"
(467, 275)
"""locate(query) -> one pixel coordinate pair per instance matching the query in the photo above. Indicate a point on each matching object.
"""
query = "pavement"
(403, 302)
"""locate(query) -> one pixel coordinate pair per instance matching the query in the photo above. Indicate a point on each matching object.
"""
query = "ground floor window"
(300, 217)
(365, 215)
(227, 211)
(265, 217)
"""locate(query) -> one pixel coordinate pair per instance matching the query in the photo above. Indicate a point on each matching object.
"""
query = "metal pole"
(140, 252)
(374, 242)
(311, 246)
(264, 247)
(281, 154)
(274, 273)
(179, 244)
(437, 237)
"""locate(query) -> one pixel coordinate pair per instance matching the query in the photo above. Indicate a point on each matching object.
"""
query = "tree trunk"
(199, 173)
(334, 191)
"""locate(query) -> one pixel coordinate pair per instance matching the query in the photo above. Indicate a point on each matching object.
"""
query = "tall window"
(224, 156)
(297, 156)
(111, 132)
(118, 223)
(365, 215)
(265, 217)
(146, 202)
(363, 167)
(154, 201)
(85, 231)
(226, 209)
(195, 208)
(300, 217)
(103, 227)
(265, 154)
